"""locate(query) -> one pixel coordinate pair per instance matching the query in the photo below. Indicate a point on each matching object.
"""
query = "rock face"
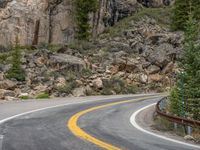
(29, 22)
(110, 12)
(20, 20)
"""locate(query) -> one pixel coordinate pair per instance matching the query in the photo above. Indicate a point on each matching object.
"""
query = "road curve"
(92, 125)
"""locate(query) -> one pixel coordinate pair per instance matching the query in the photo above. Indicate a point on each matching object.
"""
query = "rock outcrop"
(28, 22)
(22, 22)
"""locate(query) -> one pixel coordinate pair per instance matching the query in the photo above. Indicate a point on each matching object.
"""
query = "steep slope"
(136, 55)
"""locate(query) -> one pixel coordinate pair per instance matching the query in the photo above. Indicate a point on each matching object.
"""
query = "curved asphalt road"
(47, 129)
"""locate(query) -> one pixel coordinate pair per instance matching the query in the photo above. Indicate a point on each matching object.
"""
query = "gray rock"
(153, 69)
(77, 92)
(97, 83)
(4, 93)
(7, 85)
(143, 78)
(189, 137)
(162, 55)
(3, 3)
(64, 61)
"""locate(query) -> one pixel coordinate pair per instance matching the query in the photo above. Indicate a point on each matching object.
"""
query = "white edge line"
(66, 104)
(41, 109)
(133, 122)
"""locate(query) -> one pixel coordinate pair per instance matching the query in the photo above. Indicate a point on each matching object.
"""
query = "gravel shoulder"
(146, 120)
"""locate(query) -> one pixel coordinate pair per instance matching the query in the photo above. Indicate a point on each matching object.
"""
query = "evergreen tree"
(83, 8)
(16, 72)
(191, 66)
(190, 77)
(181, 12)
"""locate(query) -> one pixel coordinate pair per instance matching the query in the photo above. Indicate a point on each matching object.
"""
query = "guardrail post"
(175, 125)
(189, 130)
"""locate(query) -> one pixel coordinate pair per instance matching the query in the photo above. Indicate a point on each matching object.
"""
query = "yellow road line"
(77, 131)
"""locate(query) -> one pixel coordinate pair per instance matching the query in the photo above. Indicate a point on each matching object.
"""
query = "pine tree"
(190, 75)
(181, 12)
(16, 72)
(191, 66)
(83, 8)
(196, 9)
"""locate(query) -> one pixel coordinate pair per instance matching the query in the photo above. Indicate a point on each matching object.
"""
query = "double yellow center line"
(77, 131)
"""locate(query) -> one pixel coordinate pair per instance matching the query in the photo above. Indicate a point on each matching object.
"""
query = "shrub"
(4, 57)
(24, 97)
(174, 101)
(131, 89)
(86, 72)
(42, 96)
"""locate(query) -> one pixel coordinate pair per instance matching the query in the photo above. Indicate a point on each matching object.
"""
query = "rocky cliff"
(28, 22)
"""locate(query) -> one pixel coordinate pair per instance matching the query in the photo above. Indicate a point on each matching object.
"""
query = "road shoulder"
(144, 119)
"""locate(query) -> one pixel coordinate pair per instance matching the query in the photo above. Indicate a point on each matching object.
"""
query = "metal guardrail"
(176, 119)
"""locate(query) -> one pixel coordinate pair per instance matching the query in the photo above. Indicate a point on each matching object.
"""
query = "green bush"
(131, 89)
(42, 96)
(86, 72)
(24, 97)
(16, 71)
(3, 57)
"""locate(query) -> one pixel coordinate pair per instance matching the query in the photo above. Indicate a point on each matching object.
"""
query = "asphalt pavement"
(47, 129)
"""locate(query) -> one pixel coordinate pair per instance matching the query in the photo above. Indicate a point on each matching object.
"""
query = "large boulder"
(127, 64)
(162, 55)
(64, 61)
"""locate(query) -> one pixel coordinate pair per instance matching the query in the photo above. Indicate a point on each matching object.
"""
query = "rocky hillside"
(136, 55)
(29, 22)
